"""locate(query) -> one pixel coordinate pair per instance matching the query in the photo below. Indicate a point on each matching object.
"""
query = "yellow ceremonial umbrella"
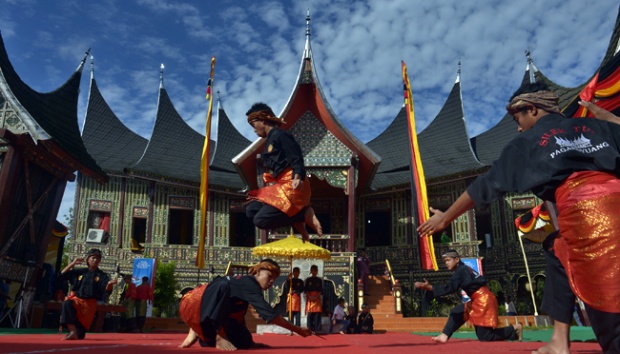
(291, 248)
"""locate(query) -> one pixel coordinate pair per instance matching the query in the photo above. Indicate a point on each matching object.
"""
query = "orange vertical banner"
(420, 211)
(204, 174)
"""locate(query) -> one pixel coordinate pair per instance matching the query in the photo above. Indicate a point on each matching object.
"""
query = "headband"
(545, 100)
(264, 115)
(267, 264)
(451, 254)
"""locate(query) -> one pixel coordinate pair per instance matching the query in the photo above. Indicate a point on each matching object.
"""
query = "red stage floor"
(153, 343)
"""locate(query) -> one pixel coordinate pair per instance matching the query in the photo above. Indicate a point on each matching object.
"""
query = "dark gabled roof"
(229, 143)
(391, 145)
(444, 144)
(174, 149)
(54, 112)
(108, 140)
(489, 144)
(614, 41)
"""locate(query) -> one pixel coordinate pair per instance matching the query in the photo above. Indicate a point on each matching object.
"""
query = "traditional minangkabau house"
(149, 206)
(40, 150)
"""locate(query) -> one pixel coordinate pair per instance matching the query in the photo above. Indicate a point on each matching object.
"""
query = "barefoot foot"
(301, 228)
(442, 338)
(71, 336)
(192, 337)
(222, 343)
(553, 348)
(519, 330)
(312, 221)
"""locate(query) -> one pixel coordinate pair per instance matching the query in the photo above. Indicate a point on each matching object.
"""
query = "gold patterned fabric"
(313, 302)
(588, 243)
(291, 247)
(482, 309)
(85, 309)
(189, 309)
(280, 194)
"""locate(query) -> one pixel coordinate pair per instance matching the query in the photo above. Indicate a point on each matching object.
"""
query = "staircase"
(382, 307)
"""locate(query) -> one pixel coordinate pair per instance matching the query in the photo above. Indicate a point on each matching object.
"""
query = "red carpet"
(154, 343)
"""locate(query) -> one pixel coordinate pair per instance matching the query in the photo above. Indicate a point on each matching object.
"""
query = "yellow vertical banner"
(204, 174)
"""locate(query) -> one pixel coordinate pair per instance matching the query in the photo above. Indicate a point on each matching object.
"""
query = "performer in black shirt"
(481, 310)
(293, 298)
(88, 285)
(286, 198)
(216, 312)
(575, 163)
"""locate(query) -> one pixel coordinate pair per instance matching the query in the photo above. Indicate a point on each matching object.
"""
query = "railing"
(333, 242)
(396, 288)
(234, 269)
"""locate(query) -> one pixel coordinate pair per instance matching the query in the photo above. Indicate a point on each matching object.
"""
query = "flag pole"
(420, 209)
(204, 174)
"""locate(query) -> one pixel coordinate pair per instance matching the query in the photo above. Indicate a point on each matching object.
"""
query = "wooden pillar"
(351, 208)
(149, 235)
(121, 213)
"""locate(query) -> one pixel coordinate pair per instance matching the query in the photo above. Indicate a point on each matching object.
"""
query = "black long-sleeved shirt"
(314, 284)
(245, 290)
(541, 158)
(86, 284)
(282, 151)
(298, 285)
(464, 278)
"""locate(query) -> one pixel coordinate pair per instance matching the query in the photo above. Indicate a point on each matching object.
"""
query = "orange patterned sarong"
(482, 309)
(189, 309)
(313, 302)
(293, 303)
(588, 244)
(280, 194)
(85, 309)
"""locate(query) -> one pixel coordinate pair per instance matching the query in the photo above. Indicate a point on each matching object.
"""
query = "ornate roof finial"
(219, 102)
(307, 48)
(308, 23)
(92, 67)
(81, 66)
(458, 73)
(161, 76)
(531, 68)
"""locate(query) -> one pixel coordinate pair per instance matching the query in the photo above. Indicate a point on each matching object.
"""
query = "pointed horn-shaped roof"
(174, 149)
(394, 169)
(229, 143)
(489, 144)
(444, 145)
(101, 126)
(307, 101)
(51, 118)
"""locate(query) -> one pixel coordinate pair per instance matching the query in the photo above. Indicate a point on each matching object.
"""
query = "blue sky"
(357, 47)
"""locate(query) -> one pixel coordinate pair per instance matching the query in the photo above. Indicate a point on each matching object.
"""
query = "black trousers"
(215, 313)
(484, 334)
(267, 217)
(314, 321)
(68, 315)
(559, 302)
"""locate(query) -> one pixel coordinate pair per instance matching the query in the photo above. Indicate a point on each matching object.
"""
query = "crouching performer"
(216, 312)
(481, 310)
(88, 285)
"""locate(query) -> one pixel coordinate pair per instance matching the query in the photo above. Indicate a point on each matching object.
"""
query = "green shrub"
(165, 292)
